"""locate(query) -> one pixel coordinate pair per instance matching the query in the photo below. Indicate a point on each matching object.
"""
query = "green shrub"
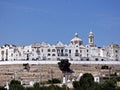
(2, 88)
(54, 81)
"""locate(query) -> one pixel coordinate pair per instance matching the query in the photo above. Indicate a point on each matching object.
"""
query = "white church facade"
(74, 51)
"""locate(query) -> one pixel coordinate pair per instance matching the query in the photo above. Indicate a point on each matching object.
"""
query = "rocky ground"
(43, 72)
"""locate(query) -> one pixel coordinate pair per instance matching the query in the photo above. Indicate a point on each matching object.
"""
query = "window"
(58, 50)
(48, 50)
(87, 55)
(81, 59)
(69, 51)
(116, 51)
(48, 54)
(38, 51)
(90, 39)
(19, 54)
(66, 50)
(76, 54)
(96, 59)
(102, 59)
(80, 55)
(33, 50)
(11, 54)
(87, 50)
(76, 51)
(61, 50)
(66, 54)
(2, 52)
(53, 54)
(87, 59)
(53, 50)
(80, 51)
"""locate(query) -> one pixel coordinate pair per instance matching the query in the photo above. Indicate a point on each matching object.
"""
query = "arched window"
(96, 59)
(53, 54)
(66, 54)
(48, 54)
(76, 51)
(58, 50)
(53, 50)
(48, 50)
(91, 40)
(66, 50)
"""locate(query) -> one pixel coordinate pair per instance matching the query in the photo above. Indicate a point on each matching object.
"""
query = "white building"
(74, 51)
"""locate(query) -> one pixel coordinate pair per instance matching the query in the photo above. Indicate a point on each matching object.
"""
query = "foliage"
(64, 87)
(108, 85)
(29, 88)
(76, 85)
(51, 87)
(118, 88)
(54, 81)
(36, 86)
(16, 85)
(86, 82)
(96, 86)
(64, 65)
(2, 88)
(54, 87)
(15, 82)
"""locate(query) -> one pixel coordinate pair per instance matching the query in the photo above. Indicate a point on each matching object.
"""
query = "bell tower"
(91, 39)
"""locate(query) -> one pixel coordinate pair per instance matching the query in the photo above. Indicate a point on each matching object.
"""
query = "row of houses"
(74, 51)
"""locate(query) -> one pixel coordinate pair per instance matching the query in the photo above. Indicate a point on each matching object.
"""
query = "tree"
(76, 85)
(109, 85)
(2, 88)
(86, 82)
(16, 85)
(64, 65)
(54, 81)
(36, 86)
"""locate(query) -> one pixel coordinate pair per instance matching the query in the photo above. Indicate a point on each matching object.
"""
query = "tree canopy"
(64, 65)
(16, 85)
(86, 82)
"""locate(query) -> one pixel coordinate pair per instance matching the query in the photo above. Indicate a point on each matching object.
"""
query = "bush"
(2, 88)
(16, 85)
(29, 88)
(76, 84)
(108, 85)
(54, 87)
(54, 81)
(36, 86)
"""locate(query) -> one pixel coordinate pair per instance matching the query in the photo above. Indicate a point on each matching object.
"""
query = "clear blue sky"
(23, 22)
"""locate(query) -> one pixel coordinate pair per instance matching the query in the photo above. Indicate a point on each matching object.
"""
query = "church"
(74, 51)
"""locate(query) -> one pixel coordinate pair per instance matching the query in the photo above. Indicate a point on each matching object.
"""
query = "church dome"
(76, 40)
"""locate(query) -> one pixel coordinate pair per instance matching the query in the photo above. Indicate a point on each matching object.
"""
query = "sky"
(23, 22)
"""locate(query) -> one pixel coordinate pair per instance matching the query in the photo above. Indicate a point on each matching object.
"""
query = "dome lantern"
(76, 40)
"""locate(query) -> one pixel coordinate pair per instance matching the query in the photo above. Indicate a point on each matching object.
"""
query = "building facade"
(74, 51)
